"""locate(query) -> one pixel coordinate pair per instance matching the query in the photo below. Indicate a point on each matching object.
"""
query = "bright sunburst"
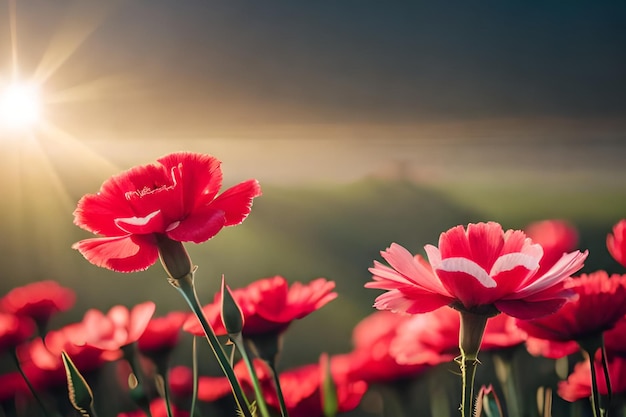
(20, 106)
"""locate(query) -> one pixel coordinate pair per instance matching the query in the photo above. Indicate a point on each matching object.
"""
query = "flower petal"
(129, 253)
(486, 241)
(413, 267)
(139, 318)
(198, 227)
(563, 269)
(236, 202)
(198, 177)
(526, 310)
(152, 223)
(410, 301)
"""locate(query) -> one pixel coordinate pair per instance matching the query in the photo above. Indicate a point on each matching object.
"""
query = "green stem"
(194, 368)
(138, 391)
(470, 337)
(279, 391)
(589, 347)
(185, 286)
(30, 386)
(238, 341)
(504, 372)
(607, 375)
(162, 382)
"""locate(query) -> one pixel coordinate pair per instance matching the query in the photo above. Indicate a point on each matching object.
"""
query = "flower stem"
(185, 286)
(194, 368)
(589, 347)
(28, 383)
(238, 341)
(162, 382)
(470, 338)
(279, 391)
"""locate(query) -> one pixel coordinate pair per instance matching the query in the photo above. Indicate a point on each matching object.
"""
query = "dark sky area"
(216, 67)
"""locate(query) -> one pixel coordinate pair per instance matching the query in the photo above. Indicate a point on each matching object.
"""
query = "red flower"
(302, 390)
(479, 269)
(39, 300)
(600, 304)
(556, 237)
(371, 359)
(69, 339)
(175, 197)
(616, 242)
(162, 333)
(578, 383)
(433, 337)
(120, 327)
(268, 305)
(14, 330)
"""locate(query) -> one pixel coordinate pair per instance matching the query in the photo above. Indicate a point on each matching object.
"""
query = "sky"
(345, 69)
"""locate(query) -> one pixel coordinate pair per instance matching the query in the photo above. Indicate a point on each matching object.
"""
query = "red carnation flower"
(268, 305)
(14, 330)
(162, 333)
(481, 269)
(616, 242)
(120, 326)
(39, 300)
(600, 304)
(578, 383)
(433, 337)
(173, 198)
(371, 360)
(70, 339)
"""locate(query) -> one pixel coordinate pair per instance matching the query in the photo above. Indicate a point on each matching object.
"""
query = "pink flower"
(269, 305)
(482, 270)
(120, 327)
(39, 300)
(600, 304)
(616, 242)
(173, 198)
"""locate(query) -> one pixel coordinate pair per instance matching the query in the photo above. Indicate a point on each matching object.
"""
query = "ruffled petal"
(454, 244)
(236, 202)
(198, 177)
(129, 253)
(413, 268)
(198, 227)
(486, 241)
(410, 301)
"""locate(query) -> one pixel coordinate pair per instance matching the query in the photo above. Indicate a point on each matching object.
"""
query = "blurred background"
(366, 123)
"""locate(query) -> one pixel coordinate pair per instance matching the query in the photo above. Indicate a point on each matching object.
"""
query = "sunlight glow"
(20, 106)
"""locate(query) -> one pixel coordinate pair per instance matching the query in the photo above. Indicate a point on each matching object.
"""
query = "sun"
(20, 106)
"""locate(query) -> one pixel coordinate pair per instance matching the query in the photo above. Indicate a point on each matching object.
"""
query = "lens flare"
(20, 106)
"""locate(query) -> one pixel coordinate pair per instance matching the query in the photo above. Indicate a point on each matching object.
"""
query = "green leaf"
(487, 403)
(80, 393)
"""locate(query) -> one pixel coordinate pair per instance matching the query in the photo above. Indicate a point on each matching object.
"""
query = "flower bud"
(232, 316)
(174, 258)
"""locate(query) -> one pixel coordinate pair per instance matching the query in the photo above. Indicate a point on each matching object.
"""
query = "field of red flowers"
(530, 331)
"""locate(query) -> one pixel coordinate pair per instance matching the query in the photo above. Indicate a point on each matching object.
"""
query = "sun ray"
(80, 22)
(103, 87)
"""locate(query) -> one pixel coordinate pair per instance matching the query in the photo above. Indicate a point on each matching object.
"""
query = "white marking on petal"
(172, 226)
(136, 221)
(512, 260)
(469, 267)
